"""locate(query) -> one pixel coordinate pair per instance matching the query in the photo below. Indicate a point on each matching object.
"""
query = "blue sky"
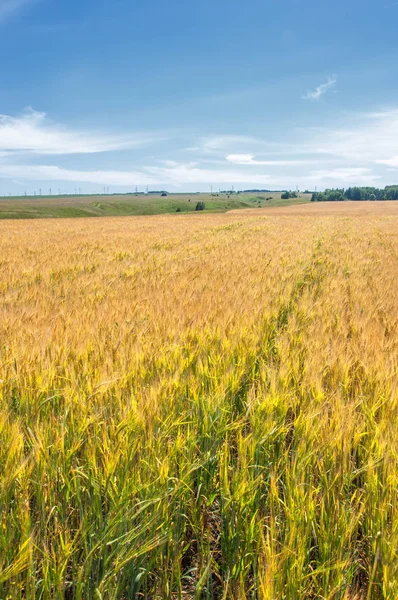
(182, 94)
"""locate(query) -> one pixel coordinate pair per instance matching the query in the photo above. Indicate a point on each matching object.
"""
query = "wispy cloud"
(347, 175)
(173, 173)
(370, 138)
(8, 7)
(177, 175)
(54, 173)
(361, 152)
(389, 162)
(221, 142)
(224, 145)
(320, 90)
(33, 133)
(248, 159)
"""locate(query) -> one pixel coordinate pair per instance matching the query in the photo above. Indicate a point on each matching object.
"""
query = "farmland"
(36, 207)
(200, 406)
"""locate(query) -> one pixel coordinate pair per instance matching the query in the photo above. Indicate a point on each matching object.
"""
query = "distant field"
(332, 209)
(200, 408)
(106, 206)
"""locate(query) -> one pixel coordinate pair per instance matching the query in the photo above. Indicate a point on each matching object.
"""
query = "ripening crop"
(200, 407)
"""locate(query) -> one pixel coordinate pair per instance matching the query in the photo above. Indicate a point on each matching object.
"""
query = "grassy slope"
(102, 206)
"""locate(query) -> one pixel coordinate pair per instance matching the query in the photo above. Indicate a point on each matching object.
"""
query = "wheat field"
(200, 406)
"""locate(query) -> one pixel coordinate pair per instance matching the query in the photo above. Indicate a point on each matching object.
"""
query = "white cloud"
(390, 162)
(33, 133)
(54, 173)
(360, 153)
(219, 142)
(7, 7)
(372, 139)
(369, 139)
(248, 159)
(179, 173)
(345, 176)
(320, 90)
(173, 173)
(216, 144)
(243, 159)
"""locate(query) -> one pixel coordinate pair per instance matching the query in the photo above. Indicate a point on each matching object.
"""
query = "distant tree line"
(255, 190)
(287, 195)
(390, 192)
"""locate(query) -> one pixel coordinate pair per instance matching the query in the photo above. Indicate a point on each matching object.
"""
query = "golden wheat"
(199, 407)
